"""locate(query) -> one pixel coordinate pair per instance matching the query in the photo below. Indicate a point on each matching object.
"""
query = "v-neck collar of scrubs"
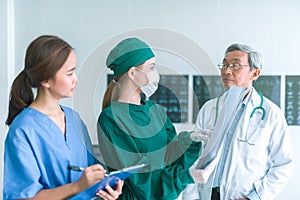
(51, 124)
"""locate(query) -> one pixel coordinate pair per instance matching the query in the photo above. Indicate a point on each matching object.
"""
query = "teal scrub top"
(37, 154)
(131, 134)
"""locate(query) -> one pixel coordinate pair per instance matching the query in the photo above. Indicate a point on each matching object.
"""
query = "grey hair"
(254, 57)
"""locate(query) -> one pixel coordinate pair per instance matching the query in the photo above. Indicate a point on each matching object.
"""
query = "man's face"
(241, 76)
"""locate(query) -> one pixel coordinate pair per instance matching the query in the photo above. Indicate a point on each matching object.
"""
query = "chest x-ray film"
(232, 102)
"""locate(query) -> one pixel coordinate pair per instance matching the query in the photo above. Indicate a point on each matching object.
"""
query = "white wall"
(92, 27)
(3, 85)
(6, 72)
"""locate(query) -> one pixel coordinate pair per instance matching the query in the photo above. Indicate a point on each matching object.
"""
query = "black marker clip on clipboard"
(114, 176)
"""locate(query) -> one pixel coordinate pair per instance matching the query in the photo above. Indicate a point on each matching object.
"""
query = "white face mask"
(152, 85)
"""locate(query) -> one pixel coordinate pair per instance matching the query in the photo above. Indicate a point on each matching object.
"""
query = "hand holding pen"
(94, 174)
(79, 169)
(90, 175)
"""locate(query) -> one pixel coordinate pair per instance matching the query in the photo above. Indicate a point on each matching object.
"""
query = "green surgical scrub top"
(132, 134)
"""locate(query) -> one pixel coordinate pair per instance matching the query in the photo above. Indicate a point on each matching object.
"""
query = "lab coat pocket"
(256, 140)
(236, 194)
(254, 130)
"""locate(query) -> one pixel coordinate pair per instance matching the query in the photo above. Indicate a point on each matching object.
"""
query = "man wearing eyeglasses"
(256, 160)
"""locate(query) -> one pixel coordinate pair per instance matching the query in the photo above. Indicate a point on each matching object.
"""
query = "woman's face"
(64, 82)
(144, 68)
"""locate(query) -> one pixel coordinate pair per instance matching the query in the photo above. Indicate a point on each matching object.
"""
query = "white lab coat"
(264, 167)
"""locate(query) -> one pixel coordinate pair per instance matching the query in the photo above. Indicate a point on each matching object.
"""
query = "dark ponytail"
(20, 96)
(44, 57)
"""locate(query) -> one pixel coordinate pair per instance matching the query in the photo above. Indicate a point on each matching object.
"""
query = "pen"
(79, 169)
(75, 168)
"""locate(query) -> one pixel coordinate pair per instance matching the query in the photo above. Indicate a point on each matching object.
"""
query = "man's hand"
(202, 175)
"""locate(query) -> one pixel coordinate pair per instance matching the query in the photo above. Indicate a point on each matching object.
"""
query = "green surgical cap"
(128, 53)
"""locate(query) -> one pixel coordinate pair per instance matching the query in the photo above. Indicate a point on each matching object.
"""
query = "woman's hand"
(90, 176)
(202, 175)
(111, 194)
(201, 135)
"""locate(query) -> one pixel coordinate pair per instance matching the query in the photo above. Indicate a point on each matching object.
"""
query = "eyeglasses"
(232, 66)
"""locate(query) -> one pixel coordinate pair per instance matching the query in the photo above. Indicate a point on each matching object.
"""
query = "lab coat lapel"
(254, 101)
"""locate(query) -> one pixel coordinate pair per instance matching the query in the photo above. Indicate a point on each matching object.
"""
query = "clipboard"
(114, 176)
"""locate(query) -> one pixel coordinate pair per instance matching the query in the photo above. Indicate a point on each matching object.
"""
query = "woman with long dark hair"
(45, 139)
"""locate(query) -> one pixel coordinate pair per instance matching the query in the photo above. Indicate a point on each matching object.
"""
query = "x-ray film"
(232, 102)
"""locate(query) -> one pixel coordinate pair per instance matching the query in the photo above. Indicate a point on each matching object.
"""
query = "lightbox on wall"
(292, 100)
(172, 94)
(269, 86)
(205, 88)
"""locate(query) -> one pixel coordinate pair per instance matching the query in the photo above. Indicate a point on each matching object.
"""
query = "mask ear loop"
(145, 75)
(135, 80)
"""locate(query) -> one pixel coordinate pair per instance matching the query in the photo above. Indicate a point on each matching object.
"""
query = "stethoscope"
(260, 107)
